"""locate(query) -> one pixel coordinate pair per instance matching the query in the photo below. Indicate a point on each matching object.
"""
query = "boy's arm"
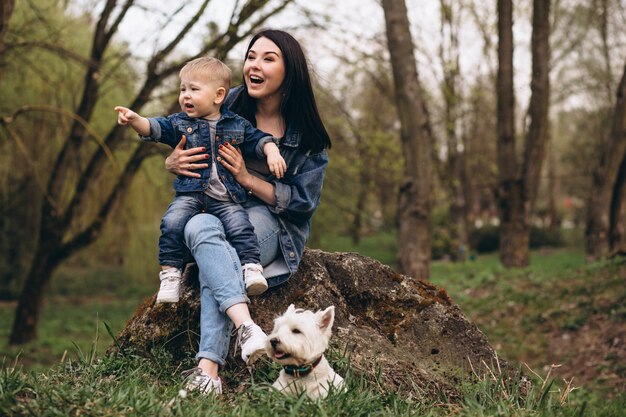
(128, 117)
(275, 161)
(260, 143)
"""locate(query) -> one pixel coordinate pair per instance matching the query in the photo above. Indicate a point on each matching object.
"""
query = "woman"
(277, 97)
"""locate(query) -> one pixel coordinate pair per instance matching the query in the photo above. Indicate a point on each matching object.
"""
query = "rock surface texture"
(405, 333)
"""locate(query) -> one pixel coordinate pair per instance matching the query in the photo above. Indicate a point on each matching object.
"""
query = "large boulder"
(403, 331)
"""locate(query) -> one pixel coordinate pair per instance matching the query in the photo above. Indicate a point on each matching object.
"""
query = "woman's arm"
(295, 197)
(184, 161)
(298, 196)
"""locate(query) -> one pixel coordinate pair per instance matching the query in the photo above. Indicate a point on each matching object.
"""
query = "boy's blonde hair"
(211, 68)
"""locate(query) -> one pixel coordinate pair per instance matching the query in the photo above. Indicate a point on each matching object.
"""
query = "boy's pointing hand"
(124, 115)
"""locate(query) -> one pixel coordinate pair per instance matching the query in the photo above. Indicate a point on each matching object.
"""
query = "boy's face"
(200, 97)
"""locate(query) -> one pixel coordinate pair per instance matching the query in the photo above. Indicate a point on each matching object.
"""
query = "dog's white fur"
(300, 337)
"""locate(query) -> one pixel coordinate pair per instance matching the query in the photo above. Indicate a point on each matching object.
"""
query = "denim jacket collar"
(292, 138)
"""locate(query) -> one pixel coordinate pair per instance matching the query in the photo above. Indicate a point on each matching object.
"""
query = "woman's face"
(264, 69)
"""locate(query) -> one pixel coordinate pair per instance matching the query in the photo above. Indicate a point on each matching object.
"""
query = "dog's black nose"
(274, 342)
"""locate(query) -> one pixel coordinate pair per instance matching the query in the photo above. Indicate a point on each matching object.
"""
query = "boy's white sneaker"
(169, 291)
(251, 339)
(197, 380)
(253, 277)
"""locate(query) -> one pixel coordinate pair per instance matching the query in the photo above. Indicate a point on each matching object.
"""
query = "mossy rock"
(404, 332)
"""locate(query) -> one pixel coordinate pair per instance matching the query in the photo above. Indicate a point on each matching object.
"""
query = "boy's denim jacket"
(297, 197)
(230, 128)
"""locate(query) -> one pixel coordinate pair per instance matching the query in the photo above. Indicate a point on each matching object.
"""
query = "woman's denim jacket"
(230, 128)
(297, 197)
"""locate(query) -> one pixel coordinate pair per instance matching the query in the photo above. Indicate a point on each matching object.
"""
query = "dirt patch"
(594, 354)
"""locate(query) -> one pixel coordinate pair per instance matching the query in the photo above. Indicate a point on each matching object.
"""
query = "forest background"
(79, 194)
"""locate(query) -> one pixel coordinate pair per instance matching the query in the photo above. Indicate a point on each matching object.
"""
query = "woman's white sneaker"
(197, 380)
(169, 291)
(253, 277)
(251, 338)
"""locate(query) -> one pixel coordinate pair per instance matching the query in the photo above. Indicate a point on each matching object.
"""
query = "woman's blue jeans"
(220, 276)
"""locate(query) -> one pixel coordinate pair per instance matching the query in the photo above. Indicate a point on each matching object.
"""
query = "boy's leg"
(240, 233)
(237, 228)
(172, 245)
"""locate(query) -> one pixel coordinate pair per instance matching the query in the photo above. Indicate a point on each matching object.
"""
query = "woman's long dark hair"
(298, 106)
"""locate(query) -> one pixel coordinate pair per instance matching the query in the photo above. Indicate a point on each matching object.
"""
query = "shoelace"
(195, 378)
(170, 282)
(169, 274)
(244, 333)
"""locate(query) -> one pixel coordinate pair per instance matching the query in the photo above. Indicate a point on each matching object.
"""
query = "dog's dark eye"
(296, 331)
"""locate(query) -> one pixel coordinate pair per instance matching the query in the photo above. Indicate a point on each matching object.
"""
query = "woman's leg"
(222, 291)
(267, 230)
(221, 286)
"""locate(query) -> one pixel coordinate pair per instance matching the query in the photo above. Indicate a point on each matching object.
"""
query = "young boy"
(204, 84)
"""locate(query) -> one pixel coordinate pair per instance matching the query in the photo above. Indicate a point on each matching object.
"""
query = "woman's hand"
(233, 161)
(184, 161)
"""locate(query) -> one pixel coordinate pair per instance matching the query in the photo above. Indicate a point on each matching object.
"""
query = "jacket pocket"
(190, 130)
(234, 137)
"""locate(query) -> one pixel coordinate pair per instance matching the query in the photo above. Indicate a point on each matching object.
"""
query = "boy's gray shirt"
(216, 188)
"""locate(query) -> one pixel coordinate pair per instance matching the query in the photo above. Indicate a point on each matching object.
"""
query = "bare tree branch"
(124, 181)
(160, 55)
(120, 17)
(48, 46)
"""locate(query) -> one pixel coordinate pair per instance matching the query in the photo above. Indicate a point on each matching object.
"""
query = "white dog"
(298, 342)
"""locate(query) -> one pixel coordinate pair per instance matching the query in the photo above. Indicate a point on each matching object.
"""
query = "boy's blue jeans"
(234, 218)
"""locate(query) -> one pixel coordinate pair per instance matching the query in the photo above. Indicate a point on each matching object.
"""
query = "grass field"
(558, 311)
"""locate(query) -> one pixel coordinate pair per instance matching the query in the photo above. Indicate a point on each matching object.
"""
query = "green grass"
(516, 309)
(132, 386)
(381, 246)
(520, 297)
(76, 305)
(64, 322)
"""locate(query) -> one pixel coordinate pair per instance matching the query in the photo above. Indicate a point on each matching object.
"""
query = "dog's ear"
(291, 308)
(326, 318)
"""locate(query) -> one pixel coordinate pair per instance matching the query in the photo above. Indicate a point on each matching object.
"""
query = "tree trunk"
(604, 181)
(537, 137)
(31, 298)
(414, 233)
(455, 169)
(509, 188)
(554, 219)
(518, 190)
(356, 227)
(617, 243)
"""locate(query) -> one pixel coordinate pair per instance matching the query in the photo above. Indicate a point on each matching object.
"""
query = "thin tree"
(414, 247)
(605, 177)
(604, 201)
(455, 168)
(62, 227)
(518, 183)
